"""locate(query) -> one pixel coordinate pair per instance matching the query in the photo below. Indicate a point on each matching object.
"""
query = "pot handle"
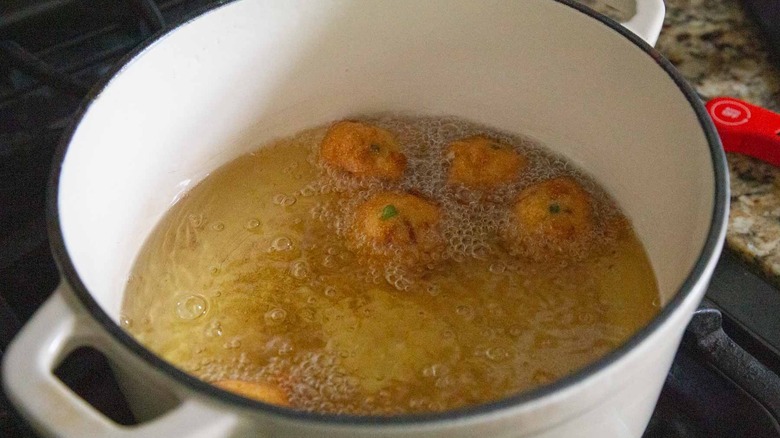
(648, 20)
(53, 409)
(705, 335)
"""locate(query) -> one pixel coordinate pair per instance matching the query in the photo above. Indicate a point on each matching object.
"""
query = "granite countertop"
(721, 53)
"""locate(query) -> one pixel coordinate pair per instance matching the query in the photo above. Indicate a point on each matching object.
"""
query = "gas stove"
(53, 51)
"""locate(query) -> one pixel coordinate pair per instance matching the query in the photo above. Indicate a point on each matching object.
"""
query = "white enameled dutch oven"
(254, 70)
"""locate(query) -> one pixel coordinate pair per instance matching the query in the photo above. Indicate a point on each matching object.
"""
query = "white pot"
(255, 70)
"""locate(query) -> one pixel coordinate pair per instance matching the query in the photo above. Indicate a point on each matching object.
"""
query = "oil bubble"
(281, 243)
(284, 200)
(284, 349)
(275, 316)
(125, 321)
(233, 343)
(435, 370)
(329, 261)
(299, 269)
(445, 382)
(308, 191)
(251, 224)
(306, 315)
(416, 403)
(190, 307)
(480, 251)
(497, 268)
(466, 312)
(214, 329)
(496, 353)
(197, 220)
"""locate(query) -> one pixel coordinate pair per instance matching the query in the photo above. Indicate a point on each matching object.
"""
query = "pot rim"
(709, 251)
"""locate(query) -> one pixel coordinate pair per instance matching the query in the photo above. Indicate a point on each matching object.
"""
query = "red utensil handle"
(746, 128)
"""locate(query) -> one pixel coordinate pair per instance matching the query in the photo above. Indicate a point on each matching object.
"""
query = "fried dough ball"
(551, 219)
(363, 150)
(254, 390)
(481, 163)
(391, 221)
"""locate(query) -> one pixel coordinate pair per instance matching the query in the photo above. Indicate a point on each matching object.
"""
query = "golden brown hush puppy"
(551, 219)
(258, 391)
(482, 163)
(363, 150)
(399, 224)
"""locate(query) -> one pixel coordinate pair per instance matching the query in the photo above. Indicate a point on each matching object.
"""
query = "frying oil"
(250, 277)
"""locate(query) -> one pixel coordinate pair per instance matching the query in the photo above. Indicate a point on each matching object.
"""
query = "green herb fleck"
(388, 212)
(374, 148)
(555, 208)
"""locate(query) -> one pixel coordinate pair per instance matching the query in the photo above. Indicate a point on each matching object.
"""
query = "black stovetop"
(53, 51)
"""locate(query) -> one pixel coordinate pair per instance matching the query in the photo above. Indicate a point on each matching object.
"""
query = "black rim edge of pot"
(707, 256)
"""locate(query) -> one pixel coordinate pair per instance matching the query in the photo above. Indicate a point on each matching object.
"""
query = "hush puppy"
(400, 224)
(552, 219)
(258, 391)
(481, 163)
(362, 150)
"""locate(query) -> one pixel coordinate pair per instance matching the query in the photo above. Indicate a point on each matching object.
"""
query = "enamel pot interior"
(254, 70)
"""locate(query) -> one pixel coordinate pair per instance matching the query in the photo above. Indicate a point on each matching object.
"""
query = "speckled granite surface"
(721, 53)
